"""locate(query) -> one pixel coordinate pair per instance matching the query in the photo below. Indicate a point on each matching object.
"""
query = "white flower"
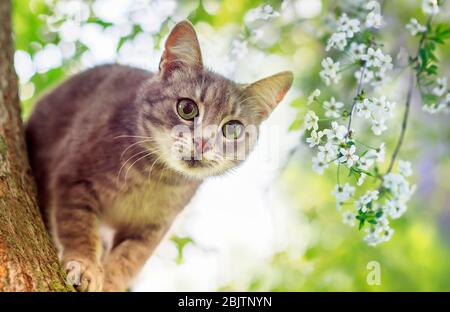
(366, 199)
(404, 168)
(395, 208)
(435, 108)
(367, 76)
(382, 221)
(311, 120)
(430, 7)
(372, 195)
(414, 27)
(372, 5)
(313, 96)
(377, 111)
(264, 12)
(336, 134)
(319, 165)
(374, 20)
(385, 63)
(377, 234)
(373, 57)
(337, 40)
(378, 154)
(348, 26)
(378, 126)
(386, 233)
(358, 50)
(364, 108)
(332, 108)
(386, 105)
(441, 86)
(430, 109)
(353, 28)
(379, 79)
(349, 218)
(372, 239)
(348, 156)
(365, 163)
(315, 137)
(361, 179)
(327, 152)
(343, 193)
(399, 187)
(330, 71)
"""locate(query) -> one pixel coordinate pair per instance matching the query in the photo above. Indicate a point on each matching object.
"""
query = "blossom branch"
(358, 94)
(413, 77)
(404, 122)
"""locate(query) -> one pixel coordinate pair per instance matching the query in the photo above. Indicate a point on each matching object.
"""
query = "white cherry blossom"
(311, 120)
(330, 72)
(430, 7)
(348, 156)
(332, 108)
(405, 168)
(314, 138)
(415, 27)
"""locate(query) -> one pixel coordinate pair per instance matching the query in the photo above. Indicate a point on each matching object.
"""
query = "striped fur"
(100, 148)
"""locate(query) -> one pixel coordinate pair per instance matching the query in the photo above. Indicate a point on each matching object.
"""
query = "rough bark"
(28, 260)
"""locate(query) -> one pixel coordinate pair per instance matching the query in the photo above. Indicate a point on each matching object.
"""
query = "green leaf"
(297, 103)
(296, 124)
(429, 98)
(423, 53)
(361, 224)
(180, 243)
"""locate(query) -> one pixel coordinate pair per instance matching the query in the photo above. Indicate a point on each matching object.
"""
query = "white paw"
(85, 275)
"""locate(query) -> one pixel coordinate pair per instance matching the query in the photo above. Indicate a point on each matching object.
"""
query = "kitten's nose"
(202, 146)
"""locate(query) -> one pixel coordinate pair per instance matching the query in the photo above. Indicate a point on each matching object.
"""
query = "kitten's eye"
(187, 109)
(233, 129)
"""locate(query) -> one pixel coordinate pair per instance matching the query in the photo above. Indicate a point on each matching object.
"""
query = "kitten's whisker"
(160, 175)
(133, 144)
(149, 153)
(123, 165)
(151, 168)
(132, 136)
(146, 155)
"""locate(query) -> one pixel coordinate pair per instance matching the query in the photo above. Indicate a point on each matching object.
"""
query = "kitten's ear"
(265, 94)
(181, 48)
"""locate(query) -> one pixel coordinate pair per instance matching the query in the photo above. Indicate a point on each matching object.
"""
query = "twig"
(404, 121)
(411, 85)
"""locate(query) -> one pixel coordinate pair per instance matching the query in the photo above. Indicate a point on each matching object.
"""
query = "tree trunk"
(28, 260)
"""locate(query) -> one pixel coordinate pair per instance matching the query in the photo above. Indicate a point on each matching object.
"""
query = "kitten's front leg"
(130, 251)
(76, 222)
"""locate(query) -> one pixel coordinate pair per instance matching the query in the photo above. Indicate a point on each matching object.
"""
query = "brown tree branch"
(28, 260)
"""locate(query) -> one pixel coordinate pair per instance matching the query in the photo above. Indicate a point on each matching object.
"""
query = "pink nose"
(201, 145)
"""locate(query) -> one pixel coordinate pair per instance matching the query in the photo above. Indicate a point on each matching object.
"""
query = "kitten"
(124, 148)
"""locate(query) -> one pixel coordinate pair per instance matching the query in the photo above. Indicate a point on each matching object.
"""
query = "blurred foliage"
(180, 243)
(418, 256)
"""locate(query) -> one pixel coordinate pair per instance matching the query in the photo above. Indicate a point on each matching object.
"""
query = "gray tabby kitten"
(126, 149)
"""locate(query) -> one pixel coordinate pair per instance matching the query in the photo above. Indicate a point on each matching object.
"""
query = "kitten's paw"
(85, 275)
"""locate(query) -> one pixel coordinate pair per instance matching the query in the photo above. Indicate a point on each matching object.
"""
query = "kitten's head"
(203, 124)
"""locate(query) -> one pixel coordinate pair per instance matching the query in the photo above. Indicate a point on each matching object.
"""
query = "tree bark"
(28, 260)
